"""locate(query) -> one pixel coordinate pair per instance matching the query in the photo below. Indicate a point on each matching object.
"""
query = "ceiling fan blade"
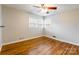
(36, 6)
(52, 8)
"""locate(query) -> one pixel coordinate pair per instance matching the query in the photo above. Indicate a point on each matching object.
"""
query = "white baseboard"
(0, 49)
(63, 40)
(41, 36)
(20, 40)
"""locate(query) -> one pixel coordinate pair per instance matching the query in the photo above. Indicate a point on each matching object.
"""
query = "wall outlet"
(54, 36)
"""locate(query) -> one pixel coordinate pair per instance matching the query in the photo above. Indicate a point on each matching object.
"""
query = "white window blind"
(35, 22)
(38, 22)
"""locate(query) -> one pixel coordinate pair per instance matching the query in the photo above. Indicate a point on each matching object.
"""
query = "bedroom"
(34, 29)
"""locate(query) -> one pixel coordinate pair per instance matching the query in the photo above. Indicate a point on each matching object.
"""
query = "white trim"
(0, 28)
(20, 40)
(0, 49)
(41, 36)
(63, 40)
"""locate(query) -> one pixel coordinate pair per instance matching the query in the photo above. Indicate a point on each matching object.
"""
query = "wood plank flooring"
(40, 46)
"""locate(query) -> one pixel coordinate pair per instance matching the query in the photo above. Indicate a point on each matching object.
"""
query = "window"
(47, 23)
(38, 22)
(35, 22)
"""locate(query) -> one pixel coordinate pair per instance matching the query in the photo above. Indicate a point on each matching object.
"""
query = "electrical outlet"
(54, 36)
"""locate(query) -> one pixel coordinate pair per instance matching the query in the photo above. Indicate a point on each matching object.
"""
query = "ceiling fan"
(46, 7)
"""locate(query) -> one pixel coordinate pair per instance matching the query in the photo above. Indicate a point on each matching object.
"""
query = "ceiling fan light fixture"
(47, 12)
(46, 8)
(52, 8)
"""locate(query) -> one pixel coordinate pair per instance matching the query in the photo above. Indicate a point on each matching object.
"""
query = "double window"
(38, 22)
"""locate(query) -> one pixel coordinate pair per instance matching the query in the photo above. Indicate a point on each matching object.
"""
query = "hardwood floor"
(40, 46)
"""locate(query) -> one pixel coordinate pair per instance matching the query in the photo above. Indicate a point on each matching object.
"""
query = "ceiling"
(29, 8)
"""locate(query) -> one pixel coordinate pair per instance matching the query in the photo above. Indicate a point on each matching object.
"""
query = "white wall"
(0, 29)
(16, 24)
(65, 26)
